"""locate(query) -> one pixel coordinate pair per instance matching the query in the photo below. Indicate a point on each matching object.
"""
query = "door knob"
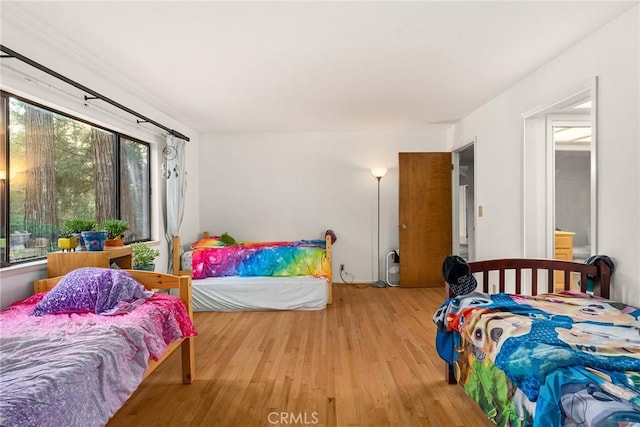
(403, 226)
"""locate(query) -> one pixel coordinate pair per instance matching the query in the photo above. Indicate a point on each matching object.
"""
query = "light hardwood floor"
(368, 360)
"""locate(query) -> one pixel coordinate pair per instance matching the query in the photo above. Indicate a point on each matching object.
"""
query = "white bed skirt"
(235, 293)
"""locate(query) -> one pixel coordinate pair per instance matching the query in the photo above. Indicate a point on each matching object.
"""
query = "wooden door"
(425, 217)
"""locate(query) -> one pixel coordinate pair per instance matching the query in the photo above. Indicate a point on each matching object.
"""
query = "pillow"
(215, 241)
(228, 240)
(207, 242)
(92, 289)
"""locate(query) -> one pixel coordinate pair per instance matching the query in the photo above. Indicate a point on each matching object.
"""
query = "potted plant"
(115, 229)
(67, 241)
(77, 225)
(143, 256)
(94, 240)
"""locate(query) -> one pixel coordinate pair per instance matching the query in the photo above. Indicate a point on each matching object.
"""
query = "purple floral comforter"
(78, 369)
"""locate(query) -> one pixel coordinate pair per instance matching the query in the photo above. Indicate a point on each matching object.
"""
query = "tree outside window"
(61, 168)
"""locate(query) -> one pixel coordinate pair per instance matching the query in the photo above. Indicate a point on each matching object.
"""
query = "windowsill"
(27, 267)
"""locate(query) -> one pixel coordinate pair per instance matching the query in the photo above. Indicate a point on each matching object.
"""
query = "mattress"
(233, 293)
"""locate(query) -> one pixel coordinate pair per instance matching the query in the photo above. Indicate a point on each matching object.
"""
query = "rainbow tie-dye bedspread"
(293, 258)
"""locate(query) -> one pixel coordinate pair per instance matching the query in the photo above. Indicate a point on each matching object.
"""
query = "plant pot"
(114, 242)
(81, 246)
(150, 267)
(94, 240)
(68, 243)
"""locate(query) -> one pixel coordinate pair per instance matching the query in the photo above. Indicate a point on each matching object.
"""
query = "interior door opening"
(559, 176)
(571, 140)
(464, 202)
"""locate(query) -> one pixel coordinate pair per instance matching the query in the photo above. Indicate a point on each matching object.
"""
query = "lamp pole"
(379, 283)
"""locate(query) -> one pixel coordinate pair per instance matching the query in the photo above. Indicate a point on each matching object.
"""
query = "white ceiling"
(316, 66)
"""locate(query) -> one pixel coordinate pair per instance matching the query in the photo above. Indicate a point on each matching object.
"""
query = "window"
(56, 168)
(135, 188)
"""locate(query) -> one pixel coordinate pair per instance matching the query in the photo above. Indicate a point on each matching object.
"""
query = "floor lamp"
(378, 173)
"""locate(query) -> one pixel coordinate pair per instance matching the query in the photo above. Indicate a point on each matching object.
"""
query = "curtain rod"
(95, 95)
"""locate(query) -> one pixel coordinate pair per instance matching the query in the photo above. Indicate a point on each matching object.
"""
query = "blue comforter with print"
(573, 358)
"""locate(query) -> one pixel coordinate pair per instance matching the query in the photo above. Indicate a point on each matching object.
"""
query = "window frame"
(5, 97)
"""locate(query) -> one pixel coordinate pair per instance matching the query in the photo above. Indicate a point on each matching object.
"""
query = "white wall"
(289, 186)
(17, 34)
(612, 54)
(296, 185)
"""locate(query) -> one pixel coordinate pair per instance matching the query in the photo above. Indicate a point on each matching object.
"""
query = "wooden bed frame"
(599, 272)
(179, 272)
(151, 281)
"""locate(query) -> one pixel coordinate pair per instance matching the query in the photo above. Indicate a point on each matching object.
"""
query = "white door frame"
(537, 223)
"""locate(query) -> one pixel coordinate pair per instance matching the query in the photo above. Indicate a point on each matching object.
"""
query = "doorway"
(463, 197)
(559, 176)
(571, 140)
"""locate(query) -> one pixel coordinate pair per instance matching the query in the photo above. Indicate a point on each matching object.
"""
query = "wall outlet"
(341, 267)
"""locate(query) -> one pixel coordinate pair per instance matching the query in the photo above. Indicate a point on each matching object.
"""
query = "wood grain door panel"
(425, 217)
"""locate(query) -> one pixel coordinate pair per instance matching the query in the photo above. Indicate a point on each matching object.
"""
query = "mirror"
(559, 177)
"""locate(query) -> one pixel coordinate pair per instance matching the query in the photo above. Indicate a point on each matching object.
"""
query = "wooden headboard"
(150, 280)
(600, 273)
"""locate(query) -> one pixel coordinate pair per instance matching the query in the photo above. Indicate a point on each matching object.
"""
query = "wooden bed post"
(187, 346)
(176, 255)
(327, 239)
(449, 372)
(602, 282)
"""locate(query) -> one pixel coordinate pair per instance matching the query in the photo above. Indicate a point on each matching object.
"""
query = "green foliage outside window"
(63, 170)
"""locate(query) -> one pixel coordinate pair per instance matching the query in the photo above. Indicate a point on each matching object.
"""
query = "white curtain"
(176, 175)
